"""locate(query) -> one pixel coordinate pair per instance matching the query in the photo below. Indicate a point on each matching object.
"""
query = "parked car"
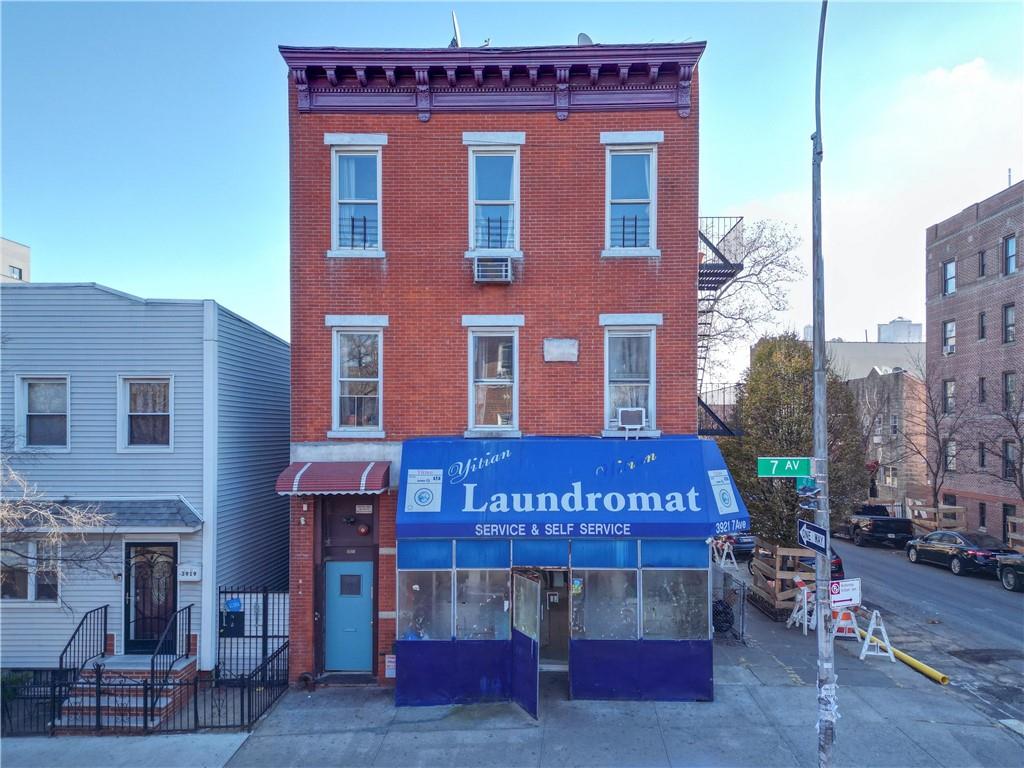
(962, 552)
(743, 542)
(1011, 571)
(874, 524)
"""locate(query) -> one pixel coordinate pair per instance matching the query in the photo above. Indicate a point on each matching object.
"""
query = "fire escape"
(719, 238)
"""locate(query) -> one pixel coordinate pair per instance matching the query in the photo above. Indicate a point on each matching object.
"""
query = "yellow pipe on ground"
(911, 662)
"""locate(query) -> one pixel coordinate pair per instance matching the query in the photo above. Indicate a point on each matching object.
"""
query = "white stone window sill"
(630, 253)
(356, 253)
(356, 434)
(493, 253)
(624, 433)
(494, 434)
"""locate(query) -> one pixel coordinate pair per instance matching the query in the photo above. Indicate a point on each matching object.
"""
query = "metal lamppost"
(827, 702)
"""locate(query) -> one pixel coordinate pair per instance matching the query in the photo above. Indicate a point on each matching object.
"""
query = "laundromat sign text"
(561, 487)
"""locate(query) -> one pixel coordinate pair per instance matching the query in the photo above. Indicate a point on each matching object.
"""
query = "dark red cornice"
(557, 78)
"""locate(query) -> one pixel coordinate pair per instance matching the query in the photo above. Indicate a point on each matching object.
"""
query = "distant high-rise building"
(900, 330)
(16, 261)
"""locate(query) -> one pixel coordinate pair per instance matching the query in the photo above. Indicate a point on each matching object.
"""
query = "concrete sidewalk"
(183, 750)
(763, 714)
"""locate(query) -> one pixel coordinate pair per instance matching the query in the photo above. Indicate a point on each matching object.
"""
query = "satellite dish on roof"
(583, 39)
(457, 40)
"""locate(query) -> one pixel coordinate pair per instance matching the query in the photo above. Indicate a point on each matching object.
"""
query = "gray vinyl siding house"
(205, 492)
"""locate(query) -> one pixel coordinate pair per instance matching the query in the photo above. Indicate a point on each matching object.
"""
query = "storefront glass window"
(482, 605)
(675, 605)
(424, 605)
(604, 605)
(527, 608)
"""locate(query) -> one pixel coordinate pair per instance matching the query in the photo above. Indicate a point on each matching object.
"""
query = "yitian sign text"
(566, 487)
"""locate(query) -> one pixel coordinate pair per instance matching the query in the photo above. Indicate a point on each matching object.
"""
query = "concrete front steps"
(122, 696)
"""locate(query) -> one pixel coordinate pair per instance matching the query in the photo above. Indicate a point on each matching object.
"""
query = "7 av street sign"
(812, 536)
(784, 466)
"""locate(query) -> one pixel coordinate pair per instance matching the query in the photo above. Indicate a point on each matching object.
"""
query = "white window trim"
(345, 148)
(652, 393)
(649, 251)
(632, 137)
(493, 138)
(21, 382)
(356, 321)
(31, 567)
(493, 149)
(339, 430)
(489, 430)
(492, 321)
(122, 412)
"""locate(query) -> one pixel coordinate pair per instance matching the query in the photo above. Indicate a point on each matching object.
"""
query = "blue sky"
(145, 147)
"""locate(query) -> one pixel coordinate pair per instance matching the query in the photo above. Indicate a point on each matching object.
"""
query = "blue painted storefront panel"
(565, 488)
(549, 554)
(525, 663)
(672, 553)
(653, 670)
(482, 553)
(424, 555)
(604, 554)
(431, 672)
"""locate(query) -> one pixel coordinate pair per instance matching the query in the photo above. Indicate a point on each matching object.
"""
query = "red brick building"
(475, 234)
(975, 358)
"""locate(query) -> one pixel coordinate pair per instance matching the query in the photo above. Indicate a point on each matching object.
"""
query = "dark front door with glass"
(150, 593)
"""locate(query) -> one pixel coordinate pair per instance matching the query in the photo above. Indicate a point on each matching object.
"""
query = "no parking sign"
(844, 594)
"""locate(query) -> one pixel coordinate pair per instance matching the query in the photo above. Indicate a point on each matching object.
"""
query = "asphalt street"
(968, 627)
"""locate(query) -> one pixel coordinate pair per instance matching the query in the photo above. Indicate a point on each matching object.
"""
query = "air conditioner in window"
(877, 439)
(948, 349)
(492, 269)
(632, 419)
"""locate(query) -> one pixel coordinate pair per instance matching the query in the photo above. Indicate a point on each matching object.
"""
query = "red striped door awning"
(305, 478)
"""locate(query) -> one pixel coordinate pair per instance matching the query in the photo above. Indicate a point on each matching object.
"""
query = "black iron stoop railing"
(172, 646)
(88, 641)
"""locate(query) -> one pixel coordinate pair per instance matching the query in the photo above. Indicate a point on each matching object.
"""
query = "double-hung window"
(949, 457)
(631, 201)
(357, 381)
(493, 379)
(28, 571)
(982, 326)
(949, 277)
(630, 372)
(1011, 457)
(1009, 323)
(145, 413)
(356, 182)
(948, 396)
(1009, 390)
(1009, 255)
(949, 337)
(494, 192)
(43, 405)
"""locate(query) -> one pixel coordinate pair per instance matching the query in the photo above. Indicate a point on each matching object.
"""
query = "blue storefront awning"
(551, 487)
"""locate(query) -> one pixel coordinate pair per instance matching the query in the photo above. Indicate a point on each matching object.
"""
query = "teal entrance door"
(349, 605)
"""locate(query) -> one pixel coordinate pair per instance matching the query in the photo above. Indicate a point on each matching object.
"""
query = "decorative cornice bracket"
(422, 93)
(683, 90)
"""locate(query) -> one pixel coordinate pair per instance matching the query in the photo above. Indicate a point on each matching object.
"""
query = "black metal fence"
(253, 627)
(53, 702)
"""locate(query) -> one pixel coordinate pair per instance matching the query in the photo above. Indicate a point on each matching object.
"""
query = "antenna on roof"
(583, 39)
(457, 40)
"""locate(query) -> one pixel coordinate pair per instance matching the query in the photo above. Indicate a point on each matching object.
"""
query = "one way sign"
(812, 536)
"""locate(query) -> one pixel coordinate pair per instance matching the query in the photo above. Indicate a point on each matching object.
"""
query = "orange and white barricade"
(844, 623)
(723, 556)
(803, 607)
(873, 646)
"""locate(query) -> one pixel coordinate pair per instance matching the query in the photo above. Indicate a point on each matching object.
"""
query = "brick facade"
(425, 285)
(979, 229)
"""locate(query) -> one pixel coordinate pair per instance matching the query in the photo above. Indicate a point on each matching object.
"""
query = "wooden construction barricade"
(775, 570)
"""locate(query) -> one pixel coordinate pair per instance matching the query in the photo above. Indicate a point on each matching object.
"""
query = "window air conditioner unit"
(877, 439)
(632, 419)
(948, 349)
(492, 269)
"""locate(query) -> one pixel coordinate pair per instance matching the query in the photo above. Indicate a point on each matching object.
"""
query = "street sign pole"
(827, 702)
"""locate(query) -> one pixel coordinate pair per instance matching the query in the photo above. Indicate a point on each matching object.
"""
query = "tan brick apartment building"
(975, 355)
(475, 235)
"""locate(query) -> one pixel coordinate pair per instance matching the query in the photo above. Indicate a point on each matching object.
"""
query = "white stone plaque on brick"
(561, 350)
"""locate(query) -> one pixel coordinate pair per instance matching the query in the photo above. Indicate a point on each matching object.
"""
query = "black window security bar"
(494, 232)
(630, 232)
(357, 232)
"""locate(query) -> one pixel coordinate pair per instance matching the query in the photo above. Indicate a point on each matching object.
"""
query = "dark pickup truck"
(874, 524)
